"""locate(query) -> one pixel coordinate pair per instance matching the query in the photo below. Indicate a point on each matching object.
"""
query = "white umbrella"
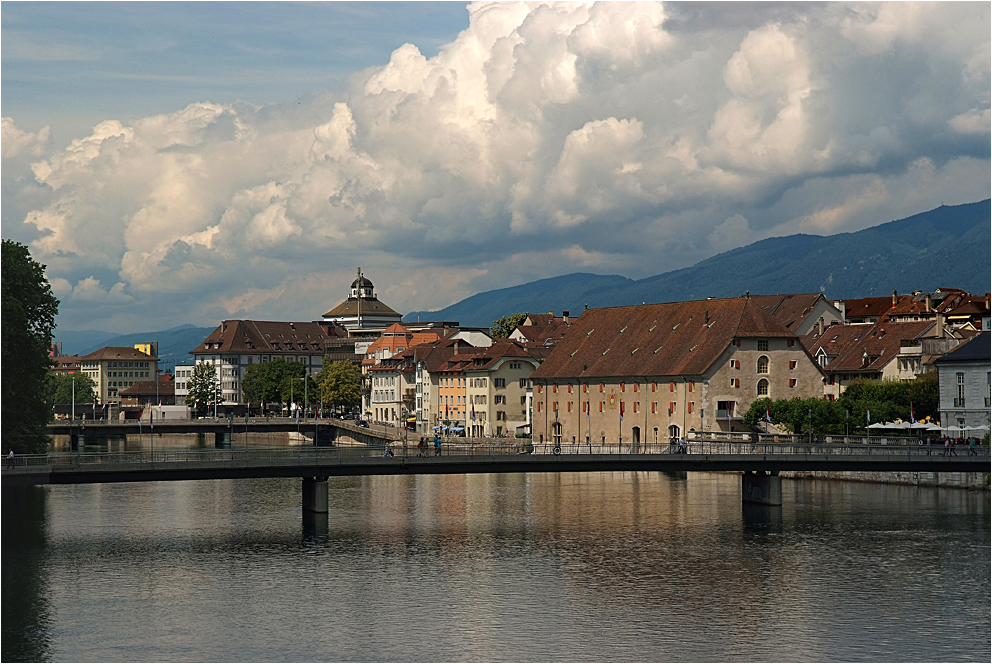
(878, 425)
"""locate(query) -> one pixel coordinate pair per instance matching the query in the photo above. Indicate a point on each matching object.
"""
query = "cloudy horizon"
(499, 144)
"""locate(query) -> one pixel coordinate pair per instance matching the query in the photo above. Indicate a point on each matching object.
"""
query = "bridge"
(759, 462)
(324, 431)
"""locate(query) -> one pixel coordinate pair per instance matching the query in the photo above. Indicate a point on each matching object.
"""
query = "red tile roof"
(791, 309)
(267, 337)
(668, 339)
(117, 353)
(851, 343)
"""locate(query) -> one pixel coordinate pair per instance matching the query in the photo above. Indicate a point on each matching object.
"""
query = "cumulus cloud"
(545, 138)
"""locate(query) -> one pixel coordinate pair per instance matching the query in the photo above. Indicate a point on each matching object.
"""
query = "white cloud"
(543, 139)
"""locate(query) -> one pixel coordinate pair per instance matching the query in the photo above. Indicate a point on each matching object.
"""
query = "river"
(537, 567)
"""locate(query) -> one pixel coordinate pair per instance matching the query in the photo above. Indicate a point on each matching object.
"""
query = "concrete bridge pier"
(315, 495)
(222, 439)
(761, 488)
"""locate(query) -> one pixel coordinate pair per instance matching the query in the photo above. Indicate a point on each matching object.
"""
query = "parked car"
(362, 423)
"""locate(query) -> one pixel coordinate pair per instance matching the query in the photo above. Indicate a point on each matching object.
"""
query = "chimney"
(456, 346)
(819, 327)
(564, 314)
(940, 326)
(895, 298)
(929, 303)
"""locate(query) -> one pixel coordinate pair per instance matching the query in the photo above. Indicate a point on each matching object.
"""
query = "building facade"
(115, 368)
(238, 344)
(965, 379)
(651, 373)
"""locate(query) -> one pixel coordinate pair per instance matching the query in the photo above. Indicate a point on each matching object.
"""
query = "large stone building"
(653, 372)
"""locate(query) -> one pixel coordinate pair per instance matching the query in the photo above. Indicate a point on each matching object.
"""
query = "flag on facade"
(151, 418)
(768, 413)
(868, 413)
(473, 412)
(912, 420)
(621, 411)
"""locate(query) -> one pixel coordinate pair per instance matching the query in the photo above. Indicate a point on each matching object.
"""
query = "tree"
(28, 312)
(504, 327)
(888, 400)
(64, 389)
(204, 391)
(340, 384)
(258, 386)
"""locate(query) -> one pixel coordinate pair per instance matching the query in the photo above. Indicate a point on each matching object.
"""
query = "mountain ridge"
(908, 254)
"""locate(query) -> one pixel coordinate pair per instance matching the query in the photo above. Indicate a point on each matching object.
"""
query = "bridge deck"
(166, 465)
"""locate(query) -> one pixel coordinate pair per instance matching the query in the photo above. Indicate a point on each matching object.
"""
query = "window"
(635, 387)
(540, 388)
(792, 364)
(690, 386)
(585, 388)
(672, 407)
(569, 388)
(501, 382)
(523, 383)
(554, 388)
(539, 406)
(622, 387)
(654, 407)
(762, 388)
(763, 344)
(570, 406)
(691, 405)
(600, 387)
(792, 382)
(762, 365)
(654, 386)
(671, 386)
(635, 406)
(601, 404)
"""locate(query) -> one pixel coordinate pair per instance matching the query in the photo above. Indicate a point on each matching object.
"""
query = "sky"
(192, 162)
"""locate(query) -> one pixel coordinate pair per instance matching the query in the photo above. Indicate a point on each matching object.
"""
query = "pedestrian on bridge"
(437, 445)
(10, 458)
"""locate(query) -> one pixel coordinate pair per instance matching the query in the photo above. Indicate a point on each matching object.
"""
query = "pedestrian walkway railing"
(304, 454)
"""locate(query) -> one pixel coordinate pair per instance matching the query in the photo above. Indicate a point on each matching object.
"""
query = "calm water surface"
(541, 567)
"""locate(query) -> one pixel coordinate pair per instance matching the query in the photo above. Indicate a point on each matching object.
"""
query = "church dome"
(361, 282)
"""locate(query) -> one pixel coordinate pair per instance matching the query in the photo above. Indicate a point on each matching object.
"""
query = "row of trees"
(336, 385)
(886, 400)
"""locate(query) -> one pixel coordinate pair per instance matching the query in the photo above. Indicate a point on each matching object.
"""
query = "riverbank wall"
(975, 481)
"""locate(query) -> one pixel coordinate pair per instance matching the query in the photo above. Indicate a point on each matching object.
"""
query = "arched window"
(763, 364)
(762, 388)
(673, 432)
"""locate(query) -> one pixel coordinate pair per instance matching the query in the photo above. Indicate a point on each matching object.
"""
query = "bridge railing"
(799, 447)
(305, 453)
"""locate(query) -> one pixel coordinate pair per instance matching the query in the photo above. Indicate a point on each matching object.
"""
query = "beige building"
(496, 381)
(116, 368)
(651, 373)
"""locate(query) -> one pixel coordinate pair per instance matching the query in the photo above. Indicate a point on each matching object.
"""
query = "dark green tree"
(340, 384)
(28, 312)
(204, 390)
(504, 327)
(64, 389)
(258, 387)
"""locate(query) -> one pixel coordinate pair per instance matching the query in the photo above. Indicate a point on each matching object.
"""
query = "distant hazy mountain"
(946, 247)
(174, 344)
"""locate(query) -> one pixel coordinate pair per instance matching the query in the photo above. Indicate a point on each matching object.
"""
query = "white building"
(966, 386)
(237, 344)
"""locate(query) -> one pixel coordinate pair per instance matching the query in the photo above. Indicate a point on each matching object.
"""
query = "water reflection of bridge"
(761, 463)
